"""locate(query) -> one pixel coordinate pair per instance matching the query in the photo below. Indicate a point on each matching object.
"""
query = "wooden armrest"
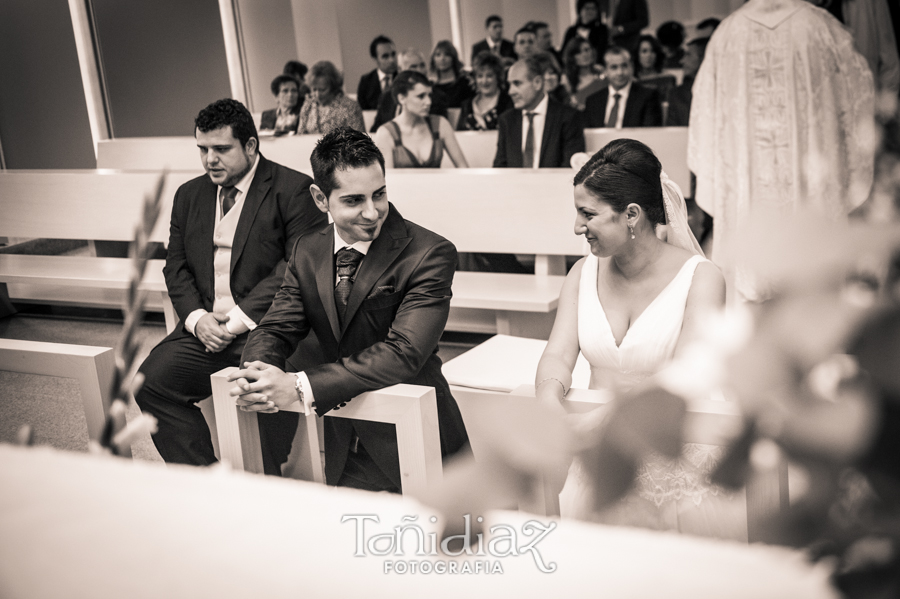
(412, 409)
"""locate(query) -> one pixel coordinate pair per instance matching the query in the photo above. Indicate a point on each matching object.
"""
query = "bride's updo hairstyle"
(625, 172)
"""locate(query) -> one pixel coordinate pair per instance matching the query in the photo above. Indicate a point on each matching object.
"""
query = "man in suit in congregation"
(375, 82)
(625, 103)
(494, 41)
(231, 234)
(539, 132)
(375, 289)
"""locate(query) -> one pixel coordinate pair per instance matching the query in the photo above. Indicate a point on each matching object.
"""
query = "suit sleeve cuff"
(309, 398)
(238, 322)
(191, 321)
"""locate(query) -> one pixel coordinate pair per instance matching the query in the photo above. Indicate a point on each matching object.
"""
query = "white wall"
(269, 42)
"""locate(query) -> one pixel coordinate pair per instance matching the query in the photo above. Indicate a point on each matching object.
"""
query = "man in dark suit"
(375, 289)
(374, 83)
(494, 41)
(231, 233)
(625, 103)
(539, 132)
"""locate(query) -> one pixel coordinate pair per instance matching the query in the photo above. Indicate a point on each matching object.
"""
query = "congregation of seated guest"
(482, 112)
(286, 116)
(327, 107)
(448, 76)
(671, 36)
(553, 83)
(680, 97)
(494, 42)
(539, 132)
(583, 76)
(649, 66)
(378, 80)
(408, 60)
(625, 103)
(415, 138)
(588, 27)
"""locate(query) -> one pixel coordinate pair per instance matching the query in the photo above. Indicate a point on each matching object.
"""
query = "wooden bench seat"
(519, 211)
(503, 370)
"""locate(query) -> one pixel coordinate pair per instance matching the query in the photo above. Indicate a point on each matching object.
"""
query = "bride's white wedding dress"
(668, 494)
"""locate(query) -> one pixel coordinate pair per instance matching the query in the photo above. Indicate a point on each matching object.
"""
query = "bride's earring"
(631, 228)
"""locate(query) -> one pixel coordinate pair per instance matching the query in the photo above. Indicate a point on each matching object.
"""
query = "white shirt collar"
(540, 109)
(360, 246)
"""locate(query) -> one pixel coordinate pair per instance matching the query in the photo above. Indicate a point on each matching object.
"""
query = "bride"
(632, 304)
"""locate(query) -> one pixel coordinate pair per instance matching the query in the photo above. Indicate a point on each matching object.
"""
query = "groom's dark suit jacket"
(563, 136)
(395, 316)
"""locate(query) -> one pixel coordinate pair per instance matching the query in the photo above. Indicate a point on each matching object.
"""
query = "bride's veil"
(679, 233)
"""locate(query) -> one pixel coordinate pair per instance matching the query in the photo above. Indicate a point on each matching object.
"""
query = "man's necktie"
(386, 82)
(228, 196)
(614, 113)
(528, 153)
(346, 262)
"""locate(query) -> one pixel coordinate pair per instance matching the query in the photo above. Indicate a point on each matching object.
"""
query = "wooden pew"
(503, 369)
(668, 143)
(81, 205)
(412, 409)
(479, 147)
(525, 212)
(92, 367)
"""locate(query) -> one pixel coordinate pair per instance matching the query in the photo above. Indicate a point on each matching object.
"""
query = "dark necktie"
(346, 262)
(614, 113)
(386, 82)
(528, 153)
(228, 196)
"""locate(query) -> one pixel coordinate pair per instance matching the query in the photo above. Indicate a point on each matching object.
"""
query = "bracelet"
(550, 378)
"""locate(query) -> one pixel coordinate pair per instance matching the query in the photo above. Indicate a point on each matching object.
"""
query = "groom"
(375, 288)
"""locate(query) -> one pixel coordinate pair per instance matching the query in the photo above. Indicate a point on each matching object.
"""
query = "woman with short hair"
(327, 107)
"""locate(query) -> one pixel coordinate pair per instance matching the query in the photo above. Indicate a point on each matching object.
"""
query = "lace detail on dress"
(662, 480)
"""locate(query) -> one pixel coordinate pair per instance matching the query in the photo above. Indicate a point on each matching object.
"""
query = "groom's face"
(358, 204)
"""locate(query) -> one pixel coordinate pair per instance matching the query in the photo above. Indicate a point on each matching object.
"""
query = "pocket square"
(381, 292)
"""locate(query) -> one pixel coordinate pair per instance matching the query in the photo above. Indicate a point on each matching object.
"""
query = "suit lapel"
(382, 253)
(204, 219)
(324, 260)
(259, 188)
(549, 131)
(629, 119)
(514, 153)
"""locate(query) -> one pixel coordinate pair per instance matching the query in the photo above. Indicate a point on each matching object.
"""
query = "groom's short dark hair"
(341, 149)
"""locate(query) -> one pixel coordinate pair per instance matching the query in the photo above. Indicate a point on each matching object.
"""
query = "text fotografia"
(503, 541)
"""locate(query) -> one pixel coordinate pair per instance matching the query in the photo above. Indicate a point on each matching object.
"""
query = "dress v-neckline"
(644, 311)
(418, 163)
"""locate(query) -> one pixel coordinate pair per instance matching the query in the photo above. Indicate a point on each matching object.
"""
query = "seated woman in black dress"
(481, 112)
(415, 138)
(649, 66)
(448, 76)
(285, 117)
